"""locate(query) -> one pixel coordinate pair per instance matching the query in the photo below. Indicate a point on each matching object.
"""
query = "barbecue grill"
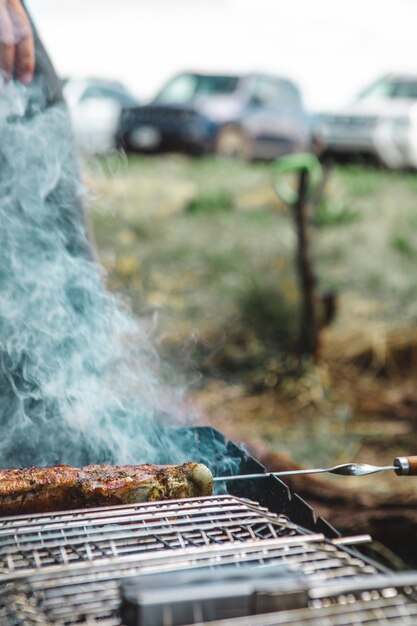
(93, 566)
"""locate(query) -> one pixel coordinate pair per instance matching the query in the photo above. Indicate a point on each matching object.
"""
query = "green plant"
(334, 215)
(361, 180)
(209, 201)
(402, 244)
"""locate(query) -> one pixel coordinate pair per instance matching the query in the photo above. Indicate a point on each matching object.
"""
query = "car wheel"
(233, 143)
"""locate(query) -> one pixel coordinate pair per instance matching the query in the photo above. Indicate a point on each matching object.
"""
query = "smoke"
(79, 379)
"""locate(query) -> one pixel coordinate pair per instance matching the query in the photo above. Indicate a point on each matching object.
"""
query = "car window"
(389, 89)
(274, 93)
(184, 88)
(405, 89)
(179, 90)
(216, 85)
(378, 91)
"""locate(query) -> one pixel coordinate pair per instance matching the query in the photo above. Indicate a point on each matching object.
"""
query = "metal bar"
(351, 541)
(396, 581)
(347, 469)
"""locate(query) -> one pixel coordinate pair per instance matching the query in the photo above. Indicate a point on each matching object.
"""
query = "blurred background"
(250, 172)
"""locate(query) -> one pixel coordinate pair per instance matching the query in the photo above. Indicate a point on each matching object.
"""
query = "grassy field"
(207, 248)
(216, 231)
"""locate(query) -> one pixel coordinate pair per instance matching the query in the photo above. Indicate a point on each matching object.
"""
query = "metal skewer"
(403, 466)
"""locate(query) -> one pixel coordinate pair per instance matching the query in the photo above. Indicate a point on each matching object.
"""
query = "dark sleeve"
(44, 70)
(46, 74)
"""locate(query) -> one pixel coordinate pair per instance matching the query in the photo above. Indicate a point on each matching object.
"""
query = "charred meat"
(62, 487)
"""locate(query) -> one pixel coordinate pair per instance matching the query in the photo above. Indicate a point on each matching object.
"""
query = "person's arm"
(17, 49)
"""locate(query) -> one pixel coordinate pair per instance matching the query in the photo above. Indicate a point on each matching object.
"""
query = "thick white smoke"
(79, 380)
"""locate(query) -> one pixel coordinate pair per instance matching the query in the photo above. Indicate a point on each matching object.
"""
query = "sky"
(331, 48)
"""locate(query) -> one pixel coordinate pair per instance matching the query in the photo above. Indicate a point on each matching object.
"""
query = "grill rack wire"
(65, 568)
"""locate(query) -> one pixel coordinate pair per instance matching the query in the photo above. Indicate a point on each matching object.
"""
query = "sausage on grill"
(62, 487)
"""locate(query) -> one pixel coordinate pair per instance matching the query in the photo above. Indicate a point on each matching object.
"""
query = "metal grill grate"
(48, 540)
(66, 568)
(45, 541)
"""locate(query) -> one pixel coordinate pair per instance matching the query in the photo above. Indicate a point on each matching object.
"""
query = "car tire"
(233, 143)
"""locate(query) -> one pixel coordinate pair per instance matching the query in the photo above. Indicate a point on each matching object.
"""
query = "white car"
(95, 107)
(381, 122)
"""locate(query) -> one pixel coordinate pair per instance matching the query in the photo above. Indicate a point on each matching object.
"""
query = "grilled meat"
(59, 488)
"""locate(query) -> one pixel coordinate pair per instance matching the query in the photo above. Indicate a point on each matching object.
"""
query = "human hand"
(17, 50)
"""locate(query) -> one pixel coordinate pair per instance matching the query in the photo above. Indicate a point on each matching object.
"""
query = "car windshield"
(390, 89)
(184, 88)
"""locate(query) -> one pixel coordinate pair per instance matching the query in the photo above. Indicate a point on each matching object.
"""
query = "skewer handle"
(405, 465)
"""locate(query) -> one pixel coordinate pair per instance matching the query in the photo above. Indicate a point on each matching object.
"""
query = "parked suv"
(381, 122)
(251, 116)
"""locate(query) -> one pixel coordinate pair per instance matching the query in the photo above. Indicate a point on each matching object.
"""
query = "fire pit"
(69, 568)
